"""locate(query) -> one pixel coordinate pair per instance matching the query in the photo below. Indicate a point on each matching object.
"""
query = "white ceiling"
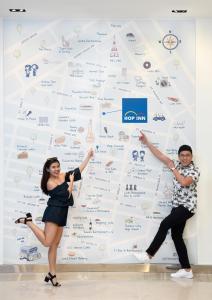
(106, 8)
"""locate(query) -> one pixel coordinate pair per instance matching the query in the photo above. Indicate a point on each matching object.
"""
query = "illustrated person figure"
(135, 155)
(142, 154)
(59, 187)
(184, 202)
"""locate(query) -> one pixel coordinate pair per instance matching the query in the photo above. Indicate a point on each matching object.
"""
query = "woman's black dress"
(59, 201)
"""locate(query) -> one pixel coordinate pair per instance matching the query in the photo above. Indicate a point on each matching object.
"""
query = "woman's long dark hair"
(46, 174)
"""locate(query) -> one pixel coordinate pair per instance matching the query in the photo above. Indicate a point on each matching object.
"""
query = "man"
(184, 202)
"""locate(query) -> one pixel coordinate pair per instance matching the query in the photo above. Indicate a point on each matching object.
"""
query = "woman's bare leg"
(52, 254)
(46, 236)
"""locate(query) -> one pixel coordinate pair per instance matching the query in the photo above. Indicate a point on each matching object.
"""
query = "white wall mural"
(64, 85)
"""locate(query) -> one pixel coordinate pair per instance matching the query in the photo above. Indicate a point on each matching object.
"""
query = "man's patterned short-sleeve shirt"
(186, 195)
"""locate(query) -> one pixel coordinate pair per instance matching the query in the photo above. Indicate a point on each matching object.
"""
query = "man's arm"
(184, 181)
(157, 153)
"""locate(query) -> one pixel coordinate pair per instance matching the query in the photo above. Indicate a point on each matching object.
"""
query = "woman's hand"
(143, 138)
(86, 160)
(70, 187)
(71, 177)
(90, 153)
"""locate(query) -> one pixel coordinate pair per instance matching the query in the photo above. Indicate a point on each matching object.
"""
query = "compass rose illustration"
(170, 41)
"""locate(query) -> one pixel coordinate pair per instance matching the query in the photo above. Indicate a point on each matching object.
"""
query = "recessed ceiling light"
(17, 10)
(179, 11)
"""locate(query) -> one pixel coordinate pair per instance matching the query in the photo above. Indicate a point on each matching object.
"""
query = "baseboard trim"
(153, 268)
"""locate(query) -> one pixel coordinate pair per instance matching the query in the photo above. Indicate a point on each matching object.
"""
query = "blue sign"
(134, 110)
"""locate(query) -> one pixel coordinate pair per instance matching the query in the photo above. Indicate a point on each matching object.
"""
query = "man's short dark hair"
(184, 148)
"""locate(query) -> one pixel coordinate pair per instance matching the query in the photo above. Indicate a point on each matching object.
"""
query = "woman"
(54, 183)
(184, 201)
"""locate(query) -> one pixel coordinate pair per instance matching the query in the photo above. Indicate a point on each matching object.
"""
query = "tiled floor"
(105, 285)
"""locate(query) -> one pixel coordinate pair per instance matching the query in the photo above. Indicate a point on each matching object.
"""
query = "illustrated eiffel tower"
(90, 136)
(114, 50)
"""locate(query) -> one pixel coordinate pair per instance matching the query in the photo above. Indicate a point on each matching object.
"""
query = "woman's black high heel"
(28, 218)
(51, 277)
